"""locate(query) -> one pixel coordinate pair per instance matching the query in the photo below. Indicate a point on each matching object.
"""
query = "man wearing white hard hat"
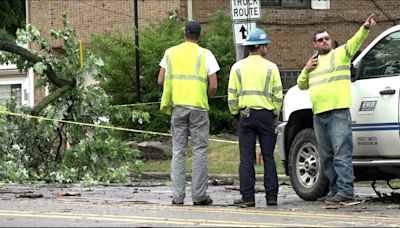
(255, 97)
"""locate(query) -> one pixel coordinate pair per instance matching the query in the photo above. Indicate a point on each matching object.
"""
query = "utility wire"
(394, 21)
(107, 10)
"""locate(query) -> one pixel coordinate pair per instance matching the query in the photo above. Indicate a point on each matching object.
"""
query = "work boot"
(205, 202)
(322, 199)
(272, 198)
(242, 203)
(338, 199)
(177, 203)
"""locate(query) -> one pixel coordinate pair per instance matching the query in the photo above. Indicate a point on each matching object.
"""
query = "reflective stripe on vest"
(264, 92)
(314, 77)
(196, 76)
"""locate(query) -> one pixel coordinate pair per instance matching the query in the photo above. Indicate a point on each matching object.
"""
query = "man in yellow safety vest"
(255, 94)
(327, 77)
(188, 76)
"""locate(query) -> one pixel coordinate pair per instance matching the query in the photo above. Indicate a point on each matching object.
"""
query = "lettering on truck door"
(375, 107)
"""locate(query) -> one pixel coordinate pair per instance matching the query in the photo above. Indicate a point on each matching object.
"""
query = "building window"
(289, 78)
(286, 3)
(11, 91)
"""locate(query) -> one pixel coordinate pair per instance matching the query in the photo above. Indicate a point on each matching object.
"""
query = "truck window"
(383, 60)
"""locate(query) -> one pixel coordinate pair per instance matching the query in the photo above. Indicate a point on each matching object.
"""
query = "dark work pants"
(261, 124)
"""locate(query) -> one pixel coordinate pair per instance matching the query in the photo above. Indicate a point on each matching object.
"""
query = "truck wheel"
(305, 168)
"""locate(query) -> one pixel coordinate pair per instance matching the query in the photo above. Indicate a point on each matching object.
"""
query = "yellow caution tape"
(157, 102)
(100, 126)
(139, 104)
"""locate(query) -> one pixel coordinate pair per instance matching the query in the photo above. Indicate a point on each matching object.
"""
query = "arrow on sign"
(243, 31)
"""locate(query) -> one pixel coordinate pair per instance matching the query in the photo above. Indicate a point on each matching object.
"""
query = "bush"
(118, 53)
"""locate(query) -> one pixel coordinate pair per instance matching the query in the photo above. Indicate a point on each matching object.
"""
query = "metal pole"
(190, 10)
(137, 51)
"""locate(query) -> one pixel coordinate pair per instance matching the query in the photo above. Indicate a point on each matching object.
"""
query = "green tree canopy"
(12, 17)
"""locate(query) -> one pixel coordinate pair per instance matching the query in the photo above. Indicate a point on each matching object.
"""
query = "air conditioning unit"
(320, 4)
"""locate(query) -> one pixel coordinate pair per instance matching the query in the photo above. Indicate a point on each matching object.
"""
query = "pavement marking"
(252, 211)
(264, 211)
(143, 219)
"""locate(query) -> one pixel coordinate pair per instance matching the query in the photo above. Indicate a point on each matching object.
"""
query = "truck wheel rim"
(307, 165)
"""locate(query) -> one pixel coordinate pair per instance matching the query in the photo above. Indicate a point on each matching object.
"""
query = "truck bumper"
(280, 141)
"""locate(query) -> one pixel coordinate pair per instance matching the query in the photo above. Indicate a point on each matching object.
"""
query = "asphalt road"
(149, 204)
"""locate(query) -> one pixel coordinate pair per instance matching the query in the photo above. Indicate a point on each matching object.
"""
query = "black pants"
(261, 124)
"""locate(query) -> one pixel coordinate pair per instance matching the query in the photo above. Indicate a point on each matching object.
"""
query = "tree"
(12, 17)
(117, 51)
(56, 150)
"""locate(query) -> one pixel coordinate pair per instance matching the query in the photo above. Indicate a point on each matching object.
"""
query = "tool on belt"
(245, 112)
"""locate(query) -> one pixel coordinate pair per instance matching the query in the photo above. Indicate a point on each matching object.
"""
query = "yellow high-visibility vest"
(254, 82)
(186, 79)
(329, 83)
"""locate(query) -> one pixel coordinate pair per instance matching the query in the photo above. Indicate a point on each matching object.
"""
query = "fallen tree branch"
(33, 58)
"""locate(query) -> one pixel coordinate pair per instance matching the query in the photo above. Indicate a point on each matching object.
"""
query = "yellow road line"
(262, 211)
(143, 219)
(258, 211)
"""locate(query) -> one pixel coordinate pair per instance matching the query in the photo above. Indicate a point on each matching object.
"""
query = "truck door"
(375, 107)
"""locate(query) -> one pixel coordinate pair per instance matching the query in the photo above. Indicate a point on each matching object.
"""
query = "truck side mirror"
(353, 73)
(353, 69)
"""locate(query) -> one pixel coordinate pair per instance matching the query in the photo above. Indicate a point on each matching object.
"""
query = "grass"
(223, 158)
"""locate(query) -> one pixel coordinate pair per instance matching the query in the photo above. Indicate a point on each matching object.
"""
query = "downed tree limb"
(50, 98)
(33, 58)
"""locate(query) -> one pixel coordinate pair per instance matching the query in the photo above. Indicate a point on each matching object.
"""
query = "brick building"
(290, 23)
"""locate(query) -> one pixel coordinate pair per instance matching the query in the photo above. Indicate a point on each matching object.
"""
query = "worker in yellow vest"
(327, 77)
(188, 75)
(255, 95)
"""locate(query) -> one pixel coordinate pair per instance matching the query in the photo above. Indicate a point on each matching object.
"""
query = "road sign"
(241, 30)
(245, 9)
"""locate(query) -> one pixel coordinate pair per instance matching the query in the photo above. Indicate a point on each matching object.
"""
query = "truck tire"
(305, 169)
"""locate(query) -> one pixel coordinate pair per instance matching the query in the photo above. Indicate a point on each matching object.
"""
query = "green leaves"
(39, 67)
(47, 149)
(140, 117)
(12, 16)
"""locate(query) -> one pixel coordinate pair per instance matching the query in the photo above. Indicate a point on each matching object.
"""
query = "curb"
(165, 175)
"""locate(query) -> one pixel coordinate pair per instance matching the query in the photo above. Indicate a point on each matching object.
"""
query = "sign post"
(244, 14)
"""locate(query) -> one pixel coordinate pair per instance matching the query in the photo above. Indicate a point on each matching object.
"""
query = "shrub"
(118, 53)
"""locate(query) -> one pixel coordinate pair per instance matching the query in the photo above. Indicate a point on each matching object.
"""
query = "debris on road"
(69, 194)
(219, 182)
(29, 195)
(237, 188)
(342, 205)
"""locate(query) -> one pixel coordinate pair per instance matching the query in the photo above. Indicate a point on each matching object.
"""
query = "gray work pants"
(196, 122)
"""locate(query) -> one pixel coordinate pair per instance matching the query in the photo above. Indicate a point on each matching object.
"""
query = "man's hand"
(311, 64)
(370, 22)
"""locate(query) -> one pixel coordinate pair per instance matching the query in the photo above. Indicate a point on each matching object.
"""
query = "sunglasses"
(326, 38)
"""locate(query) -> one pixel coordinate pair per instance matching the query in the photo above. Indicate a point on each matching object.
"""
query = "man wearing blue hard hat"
(255, 96)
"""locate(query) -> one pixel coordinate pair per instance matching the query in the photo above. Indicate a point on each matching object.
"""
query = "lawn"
(223, 158)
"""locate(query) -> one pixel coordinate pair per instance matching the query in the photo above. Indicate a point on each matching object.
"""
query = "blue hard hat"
(257, 36)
